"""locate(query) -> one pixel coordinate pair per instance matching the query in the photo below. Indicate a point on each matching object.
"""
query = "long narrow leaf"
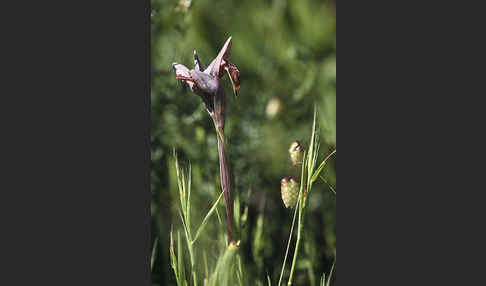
(222, 272)
(188, 204)
(219, 218)
(236, 211)
(205, 258)
(180, 180)
(328, 283)
(321, 166)
(239, 273)
(154, 251)
(313, 152)
(330, 187)
(173, 259)
(180, 261)
(206, 218)
(184, 226)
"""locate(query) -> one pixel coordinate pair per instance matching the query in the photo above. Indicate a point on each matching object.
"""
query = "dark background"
(75, 148)
(411, 149)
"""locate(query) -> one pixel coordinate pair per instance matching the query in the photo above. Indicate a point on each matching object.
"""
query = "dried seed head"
(289, 189)
(296, 152)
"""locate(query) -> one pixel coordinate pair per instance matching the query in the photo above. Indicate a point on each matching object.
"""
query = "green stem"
(193, 264)
(298, 207)
(194, 277)
(288, 245)
(297, 244)
(191, 251)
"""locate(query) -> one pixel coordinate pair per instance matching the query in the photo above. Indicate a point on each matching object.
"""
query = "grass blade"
(222, 273)
(180, 261)
(154, 251)
(188, 203)
(328, 283)
(239, 273)
(206, 218)
(205, 258)
(330, 187)
(180, 183)
(321, 166)
(173, 259)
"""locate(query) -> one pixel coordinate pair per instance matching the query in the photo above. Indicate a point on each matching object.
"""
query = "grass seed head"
(296, 152)
(289, 189)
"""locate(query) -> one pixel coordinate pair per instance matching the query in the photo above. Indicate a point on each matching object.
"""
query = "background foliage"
(286, 53)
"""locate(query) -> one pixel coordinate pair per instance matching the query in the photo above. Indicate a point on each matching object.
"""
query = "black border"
(75, 148)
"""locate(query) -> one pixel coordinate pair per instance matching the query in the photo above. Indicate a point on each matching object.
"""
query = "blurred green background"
(286, 54)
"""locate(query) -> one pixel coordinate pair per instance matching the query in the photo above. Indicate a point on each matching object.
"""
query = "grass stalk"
(297, 243)
(309, 164)
(297, 208)
(185, 197)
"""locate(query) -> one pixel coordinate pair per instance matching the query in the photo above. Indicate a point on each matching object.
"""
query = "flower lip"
(183, 73)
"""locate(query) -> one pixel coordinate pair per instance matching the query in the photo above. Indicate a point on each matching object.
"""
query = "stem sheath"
(225, 180)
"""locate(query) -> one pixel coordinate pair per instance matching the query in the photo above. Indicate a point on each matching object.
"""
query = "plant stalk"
(193, 264)
(297, 243)
(300, 202)
(288, 245)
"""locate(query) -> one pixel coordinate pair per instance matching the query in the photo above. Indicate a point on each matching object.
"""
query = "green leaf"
(154, 251)
(321, 166)
(188, 204)
(180, 261)
(173, 259)
(206, 218)
(223, 272)
(328, 283)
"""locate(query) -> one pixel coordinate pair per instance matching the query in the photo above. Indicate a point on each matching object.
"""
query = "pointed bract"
(224, 54)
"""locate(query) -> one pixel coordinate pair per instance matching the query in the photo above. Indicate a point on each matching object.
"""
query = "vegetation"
(285, 51)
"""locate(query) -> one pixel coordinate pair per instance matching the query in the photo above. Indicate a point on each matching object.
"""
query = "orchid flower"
(207, 85)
